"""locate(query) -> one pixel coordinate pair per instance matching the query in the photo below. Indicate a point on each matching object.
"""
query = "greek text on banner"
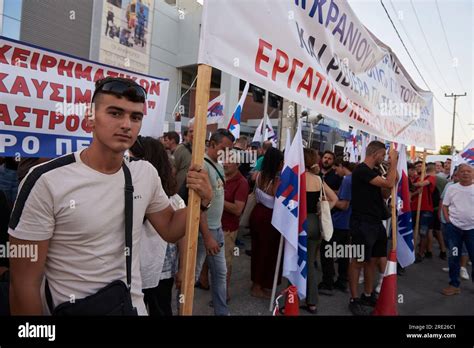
(44, 96)
(317, 53)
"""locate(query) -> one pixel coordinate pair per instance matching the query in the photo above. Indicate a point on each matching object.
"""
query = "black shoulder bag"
(115, 298)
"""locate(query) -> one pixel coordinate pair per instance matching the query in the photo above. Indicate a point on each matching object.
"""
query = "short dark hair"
(418, 162)
(134, 93)
(172, 136)
(220, 134)
(346, 164)
(331, 153)
(373, 147)
(410, 165)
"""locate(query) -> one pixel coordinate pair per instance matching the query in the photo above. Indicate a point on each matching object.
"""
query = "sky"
(432, 57)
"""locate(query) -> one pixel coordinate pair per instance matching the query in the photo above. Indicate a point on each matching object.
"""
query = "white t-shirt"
(81, 212)
(460, 200)
(153, 250)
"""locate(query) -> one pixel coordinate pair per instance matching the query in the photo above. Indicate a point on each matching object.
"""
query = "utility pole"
(455, 96)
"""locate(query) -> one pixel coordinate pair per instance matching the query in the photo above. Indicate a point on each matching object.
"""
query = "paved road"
(420, 286)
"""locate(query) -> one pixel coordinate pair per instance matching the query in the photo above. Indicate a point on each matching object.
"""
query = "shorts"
(426, 218)
(435, 223)
(426, 222)
(371, 236)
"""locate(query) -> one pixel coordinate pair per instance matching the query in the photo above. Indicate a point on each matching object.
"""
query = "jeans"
(218, 270)
(455, 238)
(9, 184)
(426, 218)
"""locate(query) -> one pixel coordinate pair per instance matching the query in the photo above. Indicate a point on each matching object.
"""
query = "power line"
(414, 46)
(450, 52)
(447, 44)
(411, 58)
(403, 43)
(426, 41)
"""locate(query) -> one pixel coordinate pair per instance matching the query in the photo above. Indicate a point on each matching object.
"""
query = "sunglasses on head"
(121, 87)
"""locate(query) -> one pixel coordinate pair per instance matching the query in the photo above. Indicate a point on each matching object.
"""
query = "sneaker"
(357, 308)
(370, 301)
(451, 290)
(464, 274)
(239, 243)
(429, 255)
(325, 289)
(442, 255)
(445, 269)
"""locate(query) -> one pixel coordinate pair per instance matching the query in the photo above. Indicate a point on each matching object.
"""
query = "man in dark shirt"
(368, 211)
(328, 174)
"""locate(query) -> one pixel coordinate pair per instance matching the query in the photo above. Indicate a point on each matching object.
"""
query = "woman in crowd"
(265, 238)
(158, 259)
(313, 194)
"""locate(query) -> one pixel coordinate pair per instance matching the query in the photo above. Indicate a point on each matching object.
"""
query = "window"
(11, 28)
(12, 8)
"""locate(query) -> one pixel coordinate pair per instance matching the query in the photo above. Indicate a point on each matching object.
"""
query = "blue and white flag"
(234, 124)
(289, 215)
(215, 109)
(405, 245)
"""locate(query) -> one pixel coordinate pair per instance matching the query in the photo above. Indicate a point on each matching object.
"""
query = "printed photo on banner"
(46, 95)
(126, 33)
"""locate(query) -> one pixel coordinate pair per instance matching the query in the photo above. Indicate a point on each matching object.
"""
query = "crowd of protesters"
(358, 195)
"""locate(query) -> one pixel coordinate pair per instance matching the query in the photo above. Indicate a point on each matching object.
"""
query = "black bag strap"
(213, 166)
(128, 235)
(128, 222)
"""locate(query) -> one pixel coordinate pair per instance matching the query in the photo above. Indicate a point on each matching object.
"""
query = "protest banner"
(320, 55)
(44, 96)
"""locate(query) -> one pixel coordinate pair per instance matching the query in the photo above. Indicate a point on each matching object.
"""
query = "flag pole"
(394, 212)
(417, 223)
(194, 201)
(277, 270)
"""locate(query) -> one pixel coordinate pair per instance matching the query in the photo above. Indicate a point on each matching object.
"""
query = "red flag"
(387, 301)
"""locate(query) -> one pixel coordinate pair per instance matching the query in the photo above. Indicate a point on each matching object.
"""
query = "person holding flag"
(368, 210)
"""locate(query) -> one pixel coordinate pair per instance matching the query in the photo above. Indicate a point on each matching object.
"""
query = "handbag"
(115, 298)
(324, 211)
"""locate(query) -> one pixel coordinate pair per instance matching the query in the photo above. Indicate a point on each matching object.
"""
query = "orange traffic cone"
(291, 307)
(387, 301)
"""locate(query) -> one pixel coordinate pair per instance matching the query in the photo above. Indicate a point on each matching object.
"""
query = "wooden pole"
(277, 270)
(194, 201)
(417, 223)
(394, 213)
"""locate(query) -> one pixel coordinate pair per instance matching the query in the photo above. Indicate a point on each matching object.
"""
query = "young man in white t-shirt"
(72, 209)
(457, 210)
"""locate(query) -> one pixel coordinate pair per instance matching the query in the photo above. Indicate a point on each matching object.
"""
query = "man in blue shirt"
(336, 247)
